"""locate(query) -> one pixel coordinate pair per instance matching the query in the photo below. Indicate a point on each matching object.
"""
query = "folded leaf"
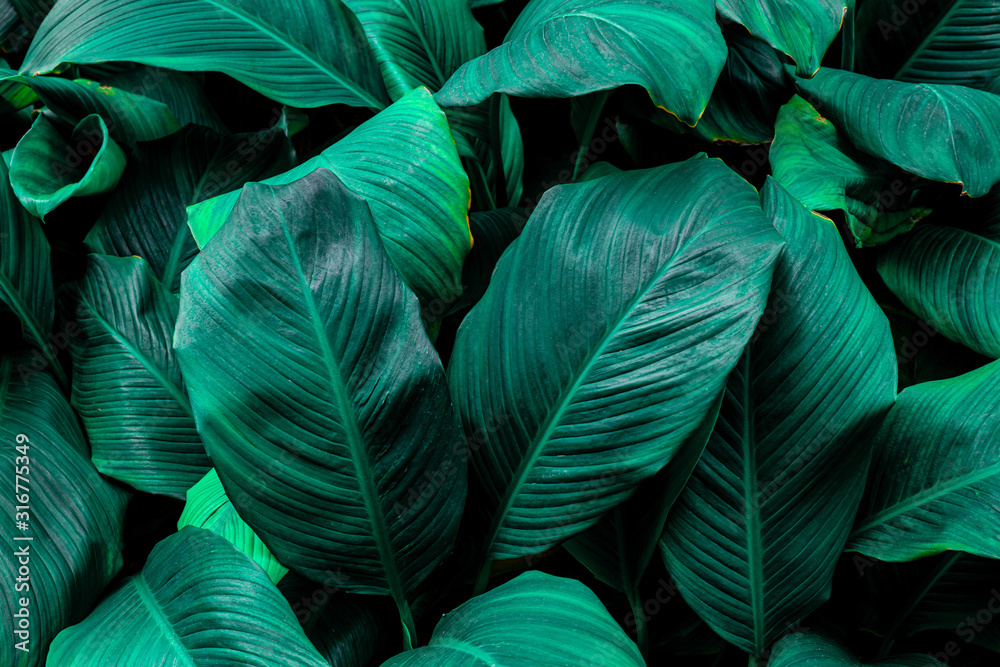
(803, 30)
(209, 507)
(308, 54)
(146, 215)
(73, 522)
(753, 539)
(319, 397)
(802, 650)
(820, 168)
(565, 48)
(943, 133)
(536, 619)
(935, 479)
(950, 277)
(937, 41)
(197, 601)
(404, 163)
(46, 170)
(609, 302)
(127, 382)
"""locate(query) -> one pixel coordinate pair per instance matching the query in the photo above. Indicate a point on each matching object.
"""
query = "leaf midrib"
(751, 509)
(924, 497)
(159, 617)
(366, 480)
(300, 49)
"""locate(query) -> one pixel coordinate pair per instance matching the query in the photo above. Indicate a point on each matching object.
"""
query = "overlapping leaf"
(935, 480)
(619, 292)
(319, 397)
(127, 383)
(73, 517)
(536, 619)
(146, 215)
(564, 48)
(820, 168)
(404, 163)
(306, 53)
(753, 539)
(197, 601)
(940, 132)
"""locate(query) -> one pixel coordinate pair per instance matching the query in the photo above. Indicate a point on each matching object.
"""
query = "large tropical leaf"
(950, 277)
(753, 540)
(404, 163)
(209, 507)
(564, 48)
(941, 132)
(935, 479)
(306, 53)
(608, 303)
(73, 535)
(940, 41)
(197, 601)
(26, 278)
(803, 30)
(47, 169)
(820, 168)
(317, 393)
(536, 619)
(127, 383)
(812, 649)
(146, 215)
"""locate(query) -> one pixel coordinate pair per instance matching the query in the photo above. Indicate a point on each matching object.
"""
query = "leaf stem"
(409, 627)
(496, 153)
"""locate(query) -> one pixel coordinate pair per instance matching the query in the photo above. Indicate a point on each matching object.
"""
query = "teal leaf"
(565, 48)
(74, 517)
(935, 477)
(806, 649)
(556, 622)
(607, 303)
(309, 57)
(197, 601)
(339, 415)
(753, 539)
(127, 383)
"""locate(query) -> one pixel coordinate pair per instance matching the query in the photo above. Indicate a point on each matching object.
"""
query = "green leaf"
(950, 277)
(936, 472)
(209, 507)
(404, 163)
(26, 277)
(943, 133)
(74, 516)
(536, 619)
(309, 57)
(594, 317)
(753, 539)
(182, 93)
(197, 601)
(819, 167)
(940, 41)
(46, 169)
(129, 117)
(146, 215)
(565, 48)
(803, 30)
(807, 649)
(493, 231)
(14, 94)
(319, 397)
(127, 383)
